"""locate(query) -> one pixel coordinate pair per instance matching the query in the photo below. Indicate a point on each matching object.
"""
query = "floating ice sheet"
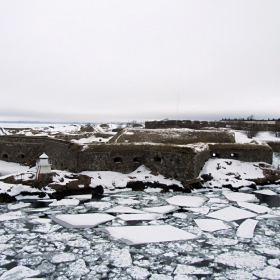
(65, 202)
(266, 192)
(236, 196)
(268, 216)
(268, 250)
(149, 234)
(29, 210)
(220, 241)
(82, 220)
(121, 258)
(40, 221)
(247, 228)
(200, 210)
(124, 209)
(81, 197)
(181, 215)
(231, 214)
(127, 201)
(11, 216)
(100, 205)
(19, 272)
(189, 269)
(217, 200)
(139, 217)
(187, 201)
(211, 224)
(246, 260)
(161, 209)
(254, 207)
(18, 205)
(268, 272)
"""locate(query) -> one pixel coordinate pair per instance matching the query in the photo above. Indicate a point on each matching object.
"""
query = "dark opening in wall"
(136, 160)
(61, 164)
(21, 156)
(215, 155)
(157, 159)
(117, 160)
(5, 156)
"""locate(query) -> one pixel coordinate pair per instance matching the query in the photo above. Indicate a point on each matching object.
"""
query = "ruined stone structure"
(182, 162)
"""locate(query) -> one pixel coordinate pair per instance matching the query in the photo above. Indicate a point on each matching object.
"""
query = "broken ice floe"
(121, 258)
(128, 201)
(11, 216)
(190, 269)
(222, 241)
(245, 260)
(268, 216)
(65, 202)
(254, 207)
(187, 201)
(77, 269)
(211, 224)
(63, 257)
(217, 200)
(181, 215)
(40, 221)
(266, 192)
(138, 273)
(268, 272)
(100, 205)
(124, 209)
(82, 220)
(199, 210)
(139, 217)
(18, 205)
(231, 213)
(161, 209)
(268, 250)
(148, 234)
(236, 196)
(81, 197)
(19, 272)
(247, 228)
(31, 210)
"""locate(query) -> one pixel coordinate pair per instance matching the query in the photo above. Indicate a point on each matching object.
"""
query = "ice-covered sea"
(143, 235)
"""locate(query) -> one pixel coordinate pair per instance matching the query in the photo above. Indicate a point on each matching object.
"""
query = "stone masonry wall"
(20, 149)
(183, 164)
(61, 155)
(243, 152)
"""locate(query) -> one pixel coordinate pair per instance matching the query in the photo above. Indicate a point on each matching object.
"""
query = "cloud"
(119, 60)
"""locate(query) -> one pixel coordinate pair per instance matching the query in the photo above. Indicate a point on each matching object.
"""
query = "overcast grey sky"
(99, 61)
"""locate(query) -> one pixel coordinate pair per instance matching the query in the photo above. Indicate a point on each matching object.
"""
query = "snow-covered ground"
(241, 137)
(78, 133)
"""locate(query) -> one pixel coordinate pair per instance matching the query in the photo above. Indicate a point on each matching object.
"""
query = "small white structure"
(44, 166)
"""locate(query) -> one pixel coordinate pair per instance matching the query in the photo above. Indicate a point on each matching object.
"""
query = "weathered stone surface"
(179, 162)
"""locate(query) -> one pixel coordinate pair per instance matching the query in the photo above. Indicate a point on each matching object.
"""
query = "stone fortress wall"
(182, 163)
(273, 126)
